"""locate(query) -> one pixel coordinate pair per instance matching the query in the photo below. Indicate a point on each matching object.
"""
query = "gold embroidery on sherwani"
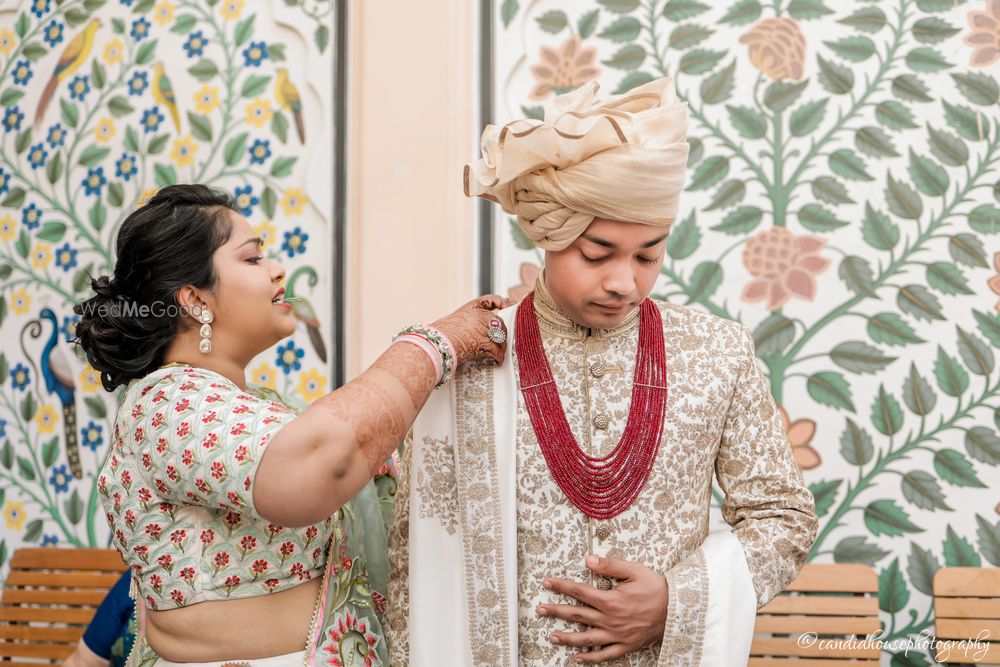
(686, 607)
(436, 483)
(397, 613)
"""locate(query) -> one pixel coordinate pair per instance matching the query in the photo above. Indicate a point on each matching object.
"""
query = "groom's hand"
(628, 617)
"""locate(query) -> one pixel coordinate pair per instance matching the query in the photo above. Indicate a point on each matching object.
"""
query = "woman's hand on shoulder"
(467, 328)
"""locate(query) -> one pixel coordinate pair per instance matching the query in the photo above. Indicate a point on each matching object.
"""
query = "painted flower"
(41, 256)
(126, 167)
(8, 227)
(258, 112)
(984, 35)
(19, 376)
(114, 51)
(140, 29)
(92, 436)
(265, 375)
(195, 44)
(53, 33)
(40, 7)
(777, 48)
(68, 327)
(3, 428)
(266, 231)
(37, 155)
(295, 242)
(8, 40)
(290, 357)
(104, 130)
(20, 302)
(354, 637)
(562, 70)
(151, 119)
(59, 479)
(22, 72)
(312, 385)
(138, 83)
(245, 200)
(206, 99)
(14, 515)
(49, 540)
(31, 216)
(254, 54)
(79, 87)
(12, 118)
(4, 181)
(90, 379)
(783, 265)
(293, 201)
(145, 197)
(46, 419)
(163, 13)
(994, 282)
(56, 136)
(94, 181)
(529, 273)
(231, 9)
(800, 434)
(66, 257)
(183, 151)
(259, 151)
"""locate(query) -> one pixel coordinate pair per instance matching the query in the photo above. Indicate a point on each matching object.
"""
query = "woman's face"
(248, 300)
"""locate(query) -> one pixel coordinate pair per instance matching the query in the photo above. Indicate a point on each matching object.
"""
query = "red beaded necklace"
(601, 487)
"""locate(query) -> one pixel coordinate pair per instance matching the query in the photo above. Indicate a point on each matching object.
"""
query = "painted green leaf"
(623, 29)
(856, 273)
(116, 195)
(932, 30)
(947, 147)
(903, 200)
(968, 249)
(886, 413)
(22, 142)
(25, 469)
(918, 302)
(53, 169)
(835, 77)
(696, 151)
(705, 279)
(969, 124)
(947, 278)
(14, 198)
(748, 122)
(29, 407)
(201, 126)
(235, 149)
(322, 38)
(935, 5)
(684, 238)
(74, 508)
(158, 143)
(283, 166)
(911, 87)
(22, 25)
(856, 48)
(978, 87)
(34, 531)
(830, 190)
(824, 494)
(678, 10)
(69, 112)
(718, 87)
(536, 111)
(131, 139)
(688, 35)
(857, 549)
(860, 357)
(846, 163)
(118, 26)
(632, 80)
(780, 95)
(93, 154)
(145, 54)
(742, 13)
(254, 85)
(279, 126)
(728, 194)
(894, 115)
(976, 354)
(96, 407)
(878, 230)
(165, 175)
(244, 30)
(23, 244)
(989, 539)
(867, 19)
(954, 468)
(918, 395)
(81, 280)
(34, 51)
(97, 215)
(982, 444)
(50, 452)
(268, 202)
(619, 6)
(709, 172)
(989, 325)
(183, 24)
(10, 96)
(587, 24)
(808, 9)
(875, 142)
(773, 335)
(958, 551)
(816, 218)
(830, 388)
(699, 61)
(740, 221)
(7, 455)
(52, 232)
(926, 59)
(922, 489)
(806, 118)
(508, 10)
(203, 70)
(929, 177)
(951, 378)
(893, 594)
(985, 219)
(921, 567)
(856, 445)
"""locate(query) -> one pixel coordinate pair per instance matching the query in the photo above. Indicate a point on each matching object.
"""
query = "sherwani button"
(598, 369)
(601, 422)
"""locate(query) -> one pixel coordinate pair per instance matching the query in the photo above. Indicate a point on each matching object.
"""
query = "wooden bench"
(967, 607)
(837, 602)
(49, 598)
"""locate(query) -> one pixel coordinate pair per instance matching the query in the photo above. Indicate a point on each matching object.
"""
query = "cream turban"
(622, 159)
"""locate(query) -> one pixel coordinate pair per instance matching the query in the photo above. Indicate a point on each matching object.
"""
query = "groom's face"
(606, 272)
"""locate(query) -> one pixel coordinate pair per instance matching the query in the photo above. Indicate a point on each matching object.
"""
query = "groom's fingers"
(616, 569)
(571, 612)
(581, 592)
(585, 639)
(603, 655)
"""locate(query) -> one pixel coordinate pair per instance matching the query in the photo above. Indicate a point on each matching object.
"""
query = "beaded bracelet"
(437, 347)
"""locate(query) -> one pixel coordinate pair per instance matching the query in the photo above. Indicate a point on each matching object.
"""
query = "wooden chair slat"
(966, 608)
(68, 597)
(75, 616)
(790, 647)
(67, 559)
(62, 580)
(983, 582)
(825, 606)
(10, 649)
(966, 628)
(41, 633)
(841, 625)
(988, 652)
(807, 662)
(835, 578)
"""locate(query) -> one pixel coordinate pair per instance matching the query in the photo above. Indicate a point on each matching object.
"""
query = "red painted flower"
(783, 265)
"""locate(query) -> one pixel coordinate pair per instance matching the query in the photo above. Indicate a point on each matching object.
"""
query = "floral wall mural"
(103, 103)
(842, 201)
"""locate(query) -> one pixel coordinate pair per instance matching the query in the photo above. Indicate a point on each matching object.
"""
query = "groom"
(556, 508)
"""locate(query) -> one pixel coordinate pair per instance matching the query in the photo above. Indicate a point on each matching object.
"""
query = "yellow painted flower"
(259, 112)
(231, 9)
(20, 301)
(90, 380)
(266, 231)
(206, 99)
(8, 40)
(8, 228)
(41, 256)
(183, 151)
(265, 375)
(46, 419)
(164, 12)
(14, 515)
(145, 197)
(104, 130)
(114, 51)
(293, 200)
(312, 385)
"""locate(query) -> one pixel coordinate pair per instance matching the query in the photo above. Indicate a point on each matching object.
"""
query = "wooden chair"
(966, 607)
(836, 602)
(49, 598)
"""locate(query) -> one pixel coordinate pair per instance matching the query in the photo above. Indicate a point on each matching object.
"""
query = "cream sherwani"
(480, 521)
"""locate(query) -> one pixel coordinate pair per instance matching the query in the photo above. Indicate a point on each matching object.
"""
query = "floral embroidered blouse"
(177, 489)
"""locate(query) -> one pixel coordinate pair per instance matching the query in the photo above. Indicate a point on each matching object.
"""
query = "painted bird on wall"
(57, 372)
(74, 55)
(163, 93)
(290, 100)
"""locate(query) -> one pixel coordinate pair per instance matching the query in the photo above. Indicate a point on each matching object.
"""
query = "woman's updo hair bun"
(126, 326)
